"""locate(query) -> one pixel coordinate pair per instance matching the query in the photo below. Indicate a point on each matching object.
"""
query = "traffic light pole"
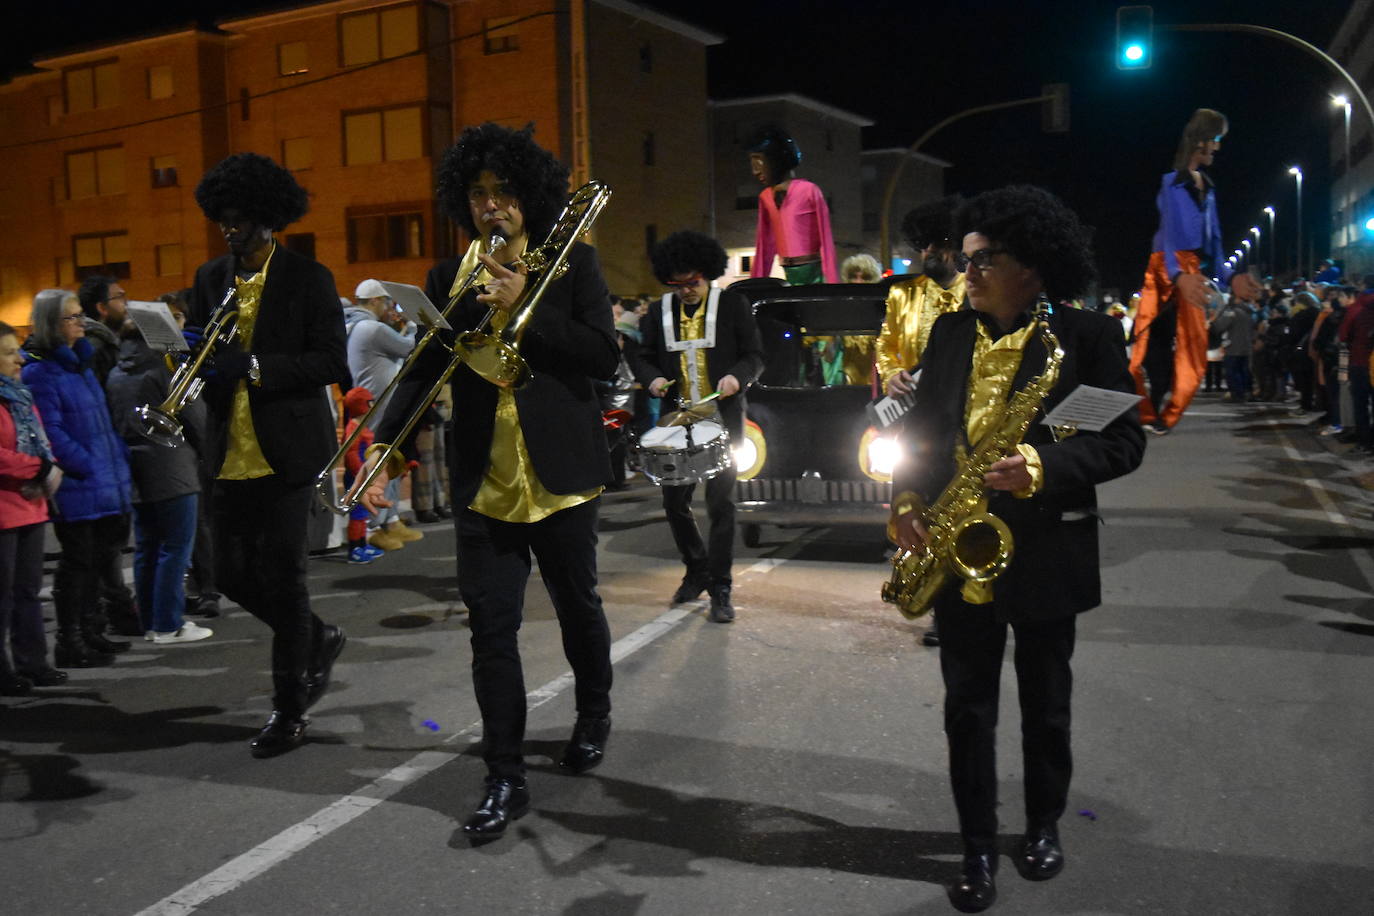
(1294, 40)
(885, 238)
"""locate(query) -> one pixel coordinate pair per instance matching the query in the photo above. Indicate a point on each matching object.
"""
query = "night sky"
(907, 65)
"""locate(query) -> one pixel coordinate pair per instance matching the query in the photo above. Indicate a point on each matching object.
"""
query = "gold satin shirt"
(995, 363)
(244, 459)
(912, 307)
(511, 491)
(693, 362)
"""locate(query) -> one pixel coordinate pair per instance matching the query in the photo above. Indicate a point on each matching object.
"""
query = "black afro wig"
(778, 148)
(259, 189)
(539, 181)
(1037, 229)
(687, 252)
(932, 224)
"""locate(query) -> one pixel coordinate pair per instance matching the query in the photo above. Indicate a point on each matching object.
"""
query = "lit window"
(101, 254)
(297, 153)
(164, 171)
(499, 36)
(292, 58)
(373, 36)
(95, 172)
(91, 86)
(385, 236)
(383, 136)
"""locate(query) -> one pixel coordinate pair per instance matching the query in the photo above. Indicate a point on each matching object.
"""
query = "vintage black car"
(812, 455)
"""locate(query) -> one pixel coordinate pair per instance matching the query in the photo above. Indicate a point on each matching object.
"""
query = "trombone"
(493, 356)
(162, 423)
(324, 482)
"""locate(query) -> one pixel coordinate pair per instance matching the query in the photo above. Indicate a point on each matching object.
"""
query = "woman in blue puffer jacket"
(96, 491)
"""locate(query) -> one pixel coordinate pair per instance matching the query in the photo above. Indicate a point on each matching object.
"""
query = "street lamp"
(1273, 243)
(1296, 172)
(1254, 230)
(1347, 220)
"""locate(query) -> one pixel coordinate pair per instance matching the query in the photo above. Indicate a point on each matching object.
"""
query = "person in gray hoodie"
(166, 491)
(378, 342)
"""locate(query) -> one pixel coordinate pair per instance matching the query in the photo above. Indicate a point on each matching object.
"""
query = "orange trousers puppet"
(1158, 297)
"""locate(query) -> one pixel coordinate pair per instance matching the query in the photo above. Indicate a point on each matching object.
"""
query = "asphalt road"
(792, 762)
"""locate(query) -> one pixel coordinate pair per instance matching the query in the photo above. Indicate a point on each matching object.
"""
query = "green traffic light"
(1134, 32)
(1134, 53)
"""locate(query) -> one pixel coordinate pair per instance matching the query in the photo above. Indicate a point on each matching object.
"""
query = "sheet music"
(158, 327)
(1091, 409)
(415, 305)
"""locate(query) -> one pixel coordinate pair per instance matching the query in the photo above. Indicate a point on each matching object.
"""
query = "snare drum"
(669, 461)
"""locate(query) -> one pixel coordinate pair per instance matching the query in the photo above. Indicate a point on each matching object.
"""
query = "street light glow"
(1294, 170)
(1340, 101)
(1269, 210)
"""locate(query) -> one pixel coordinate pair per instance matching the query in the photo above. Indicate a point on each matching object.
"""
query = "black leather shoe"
(975, 890)
(99, 643)
(931, 637)
(281, 734)
(721, 609)
(690, 589)
(46, 677)
(587, 746)
(331, 644)
(14, 685)
(506, 800)
(1041, 856)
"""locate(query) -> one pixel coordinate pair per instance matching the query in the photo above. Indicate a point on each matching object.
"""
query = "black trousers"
(1159, 355)
(972, 641)
(260, 562)
(711, 559)
(90, 556)
(23, 646)
(493, 569)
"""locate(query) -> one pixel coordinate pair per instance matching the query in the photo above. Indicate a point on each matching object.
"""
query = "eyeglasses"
(502, 196)
(981, 259)
(687, 283)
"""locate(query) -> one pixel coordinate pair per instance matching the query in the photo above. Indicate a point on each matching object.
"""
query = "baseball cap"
(369, 289)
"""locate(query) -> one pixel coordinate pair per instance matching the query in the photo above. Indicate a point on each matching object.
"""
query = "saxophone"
(963, 537)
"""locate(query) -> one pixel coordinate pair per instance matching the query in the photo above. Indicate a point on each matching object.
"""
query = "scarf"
(29, 437)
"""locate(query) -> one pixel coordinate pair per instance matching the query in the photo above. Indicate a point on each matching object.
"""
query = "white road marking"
(276, 850)
(1322, 492)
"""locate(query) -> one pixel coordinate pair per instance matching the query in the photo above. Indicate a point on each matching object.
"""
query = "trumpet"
(493, 356)
(324, 491)
(162, 423)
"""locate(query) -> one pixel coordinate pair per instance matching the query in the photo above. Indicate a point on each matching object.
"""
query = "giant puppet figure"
(1170, 349)
(794, 220)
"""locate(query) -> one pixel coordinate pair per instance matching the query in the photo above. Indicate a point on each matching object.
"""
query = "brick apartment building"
(103, 147)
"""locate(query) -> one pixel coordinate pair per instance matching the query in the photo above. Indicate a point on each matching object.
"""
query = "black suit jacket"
(738, 352)
(299, 341)
(569, 343)
(1054, 570)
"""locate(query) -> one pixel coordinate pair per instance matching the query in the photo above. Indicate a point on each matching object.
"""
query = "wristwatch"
(254, 370)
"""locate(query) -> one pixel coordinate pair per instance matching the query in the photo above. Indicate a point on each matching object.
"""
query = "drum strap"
(706, 342)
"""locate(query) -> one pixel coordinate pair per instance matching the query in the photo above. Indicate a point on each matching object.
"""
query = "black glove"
(230, 363)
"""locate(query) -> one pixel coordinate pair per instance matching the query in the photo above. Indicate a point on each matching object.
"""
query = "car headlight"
(750, 452)
(879, 455)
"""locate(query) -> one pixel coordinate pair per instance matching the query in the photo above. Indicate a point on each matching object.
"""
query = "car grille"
(812, 490)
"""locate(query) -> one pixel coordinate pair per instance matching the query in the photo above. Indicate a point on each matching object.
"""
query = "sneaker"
(403, 533)
(373, 552)
(357, 556)
(426, 516)
(189, 632)
(385, 540)
(1159, 429)
(1330, 431)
